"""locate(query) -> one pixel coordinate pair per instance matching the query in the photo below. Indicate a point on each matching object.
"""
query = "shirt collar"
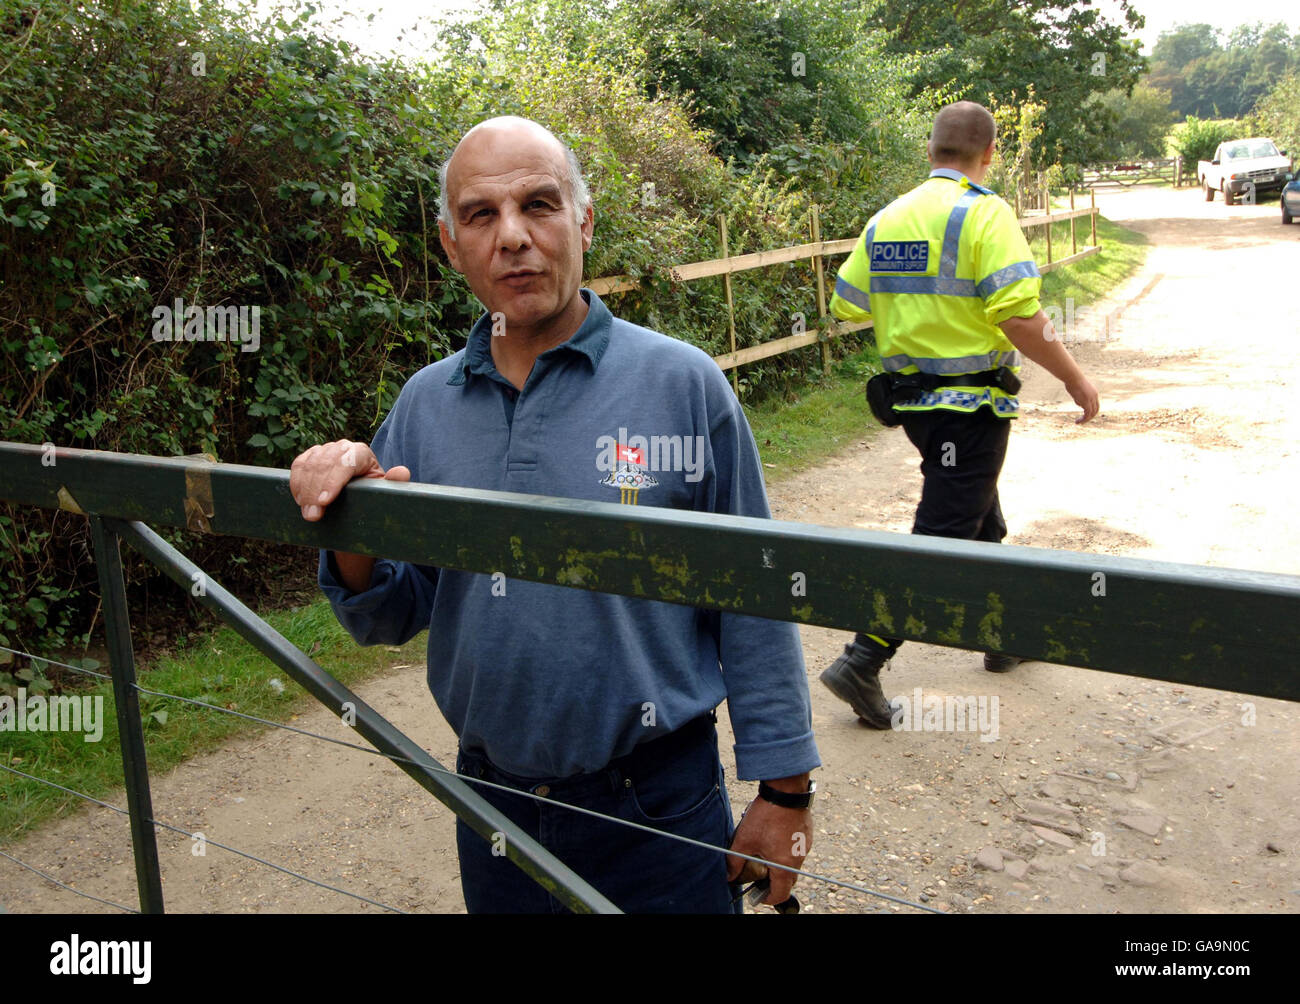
(954, 175)
(951, 173)
(590, 340)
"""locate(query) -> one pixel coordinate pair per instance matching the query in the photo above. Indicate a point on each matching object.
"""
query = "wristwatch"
(787, 799)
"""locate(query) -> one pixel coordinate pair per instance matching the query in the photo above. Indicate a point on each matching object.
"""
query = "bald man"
(949, 281)
(569, 696)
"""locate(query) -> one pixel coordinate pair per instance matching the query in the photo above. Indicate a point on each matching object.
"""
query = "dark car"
(1291, 200)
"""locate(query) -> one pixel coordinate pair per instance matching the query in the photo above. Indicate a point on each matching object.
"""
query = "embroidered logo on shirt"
(629, 475)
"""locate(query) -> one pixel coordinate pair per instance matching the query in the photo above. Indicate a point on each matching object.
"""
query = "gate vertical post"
(121, 659)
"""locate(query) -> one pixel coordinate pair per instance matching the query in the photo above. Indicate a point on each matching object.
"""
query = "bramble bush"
(152, 152)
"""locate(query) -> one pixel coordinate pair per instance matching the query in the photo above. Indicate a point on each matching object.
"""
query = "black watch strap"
(786, 799)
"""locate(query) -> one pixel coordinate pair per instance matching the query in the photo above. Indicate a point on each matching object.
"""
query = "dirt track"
(1192, 459)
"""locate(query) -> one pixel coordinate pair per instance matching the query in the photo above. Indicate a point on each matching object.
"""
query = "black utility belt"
(884, 390)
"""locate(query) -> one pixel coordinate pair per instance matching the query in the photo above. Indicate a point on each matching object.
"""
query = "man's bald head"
(579, 195)
(962, 133)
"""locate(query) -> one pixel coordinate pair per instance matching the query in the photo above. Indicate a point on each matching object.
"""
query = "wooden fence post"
(1093, 217)
(731, 310)
(1047, 211)
(1074, 246)
(821, 289)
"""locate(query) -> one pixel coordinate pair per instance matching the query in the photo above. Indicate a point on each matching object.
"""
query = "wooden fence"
(817, 251)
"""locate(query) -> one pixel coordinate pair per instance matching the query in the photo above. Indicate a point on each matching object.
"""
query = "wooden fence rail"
(816, 251)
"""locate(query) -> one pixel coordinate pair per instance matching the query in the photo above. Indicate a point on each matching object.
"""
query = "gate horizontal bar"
(1210, 627)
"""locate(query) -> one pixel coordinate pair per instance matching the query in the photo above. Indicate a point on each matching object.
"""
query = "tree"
(993, 50)
(1196, 140)
(1207, 78)
(799, 87)
(1278, 115)
(1184, 44)
(1141, 121)
(1174, 52)
(756, 73)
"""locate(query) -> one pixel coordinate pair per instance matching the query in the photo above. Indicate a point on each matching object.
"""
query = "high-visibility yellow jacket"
(936, 270)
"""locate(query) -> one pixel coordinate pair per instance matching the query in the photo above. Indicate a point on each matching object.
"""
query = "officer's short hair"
(962, 132)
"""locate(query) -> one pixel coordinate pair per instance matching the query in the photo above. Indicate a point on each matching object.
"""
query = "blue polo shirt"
(547, 681)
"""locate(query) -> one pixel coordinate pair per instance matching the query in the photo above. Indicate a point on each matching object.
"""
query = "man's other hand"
(1085, 396)
(317, 476)
(783, 836)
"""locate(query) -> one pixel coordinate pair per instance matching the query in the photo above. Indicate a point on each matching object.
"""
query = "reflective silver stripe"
(959, 399)
(867, 238)
(952, 233)
(956, 365)
(1006, 276)
(850, 293)
(934, 284)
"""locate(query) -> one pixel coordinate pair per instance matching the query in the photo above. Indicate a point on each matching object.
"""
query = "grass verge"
(803, 429)
(219, 668)
(1086, 281)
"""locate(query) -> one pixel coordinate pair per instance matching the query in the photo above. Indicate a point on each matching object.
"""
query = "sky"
(392, 18)
(1162, 15)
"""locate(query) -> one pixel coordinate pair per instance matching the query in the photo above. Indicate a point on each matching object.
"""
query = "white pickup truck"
(1244, 167)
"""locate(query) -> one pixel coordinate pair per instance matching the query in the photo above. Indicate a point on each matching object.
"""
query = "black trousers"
(961, 458)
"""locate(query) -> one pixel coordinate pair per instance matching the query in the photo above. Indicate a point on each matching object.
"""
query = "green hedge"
(151, 153)
(1197, 139)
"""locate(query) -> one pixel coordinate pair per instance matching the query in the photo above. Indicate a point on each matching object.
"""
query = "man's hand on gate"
(1085, 396)
(317, 476)
(783, 836)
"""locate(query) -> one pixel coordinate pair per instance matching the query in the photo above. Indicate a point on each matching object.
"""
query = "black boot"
(855, 678)
(997, 663)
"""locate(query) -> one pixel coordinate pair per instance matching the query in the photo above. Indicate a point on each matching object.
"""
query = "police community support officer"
(949, 280)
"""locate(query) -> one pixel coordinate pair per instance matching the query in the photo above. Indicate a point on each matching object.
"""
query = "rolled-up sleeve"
(396, 607)
(1006, 276)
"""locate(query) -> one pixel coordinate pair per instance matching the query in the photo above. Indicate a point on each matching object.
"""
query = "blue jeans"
(673, 784)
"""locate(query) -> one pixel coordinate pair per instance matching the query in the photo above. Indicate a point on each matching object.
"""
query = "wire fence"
(371, 751)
